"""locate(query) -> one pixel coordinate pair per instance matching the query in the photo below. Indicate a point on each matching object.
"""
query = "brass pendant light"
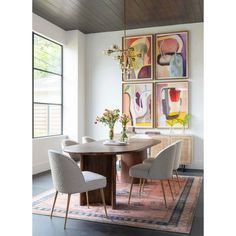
(125, 56)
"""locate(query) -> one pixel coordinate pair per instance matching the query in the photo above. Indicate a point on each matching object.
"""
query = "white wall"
(73, 92)
(103, 81)
(48, 29)
(40, 151)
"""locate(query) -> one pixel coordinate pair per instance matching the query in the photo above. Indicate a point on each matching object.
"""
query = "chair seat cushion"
(140, 170)
(149, 160)
(94, 181)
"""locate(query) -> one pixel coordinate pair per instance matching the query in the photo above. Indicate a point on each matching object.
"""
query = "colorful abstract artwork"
(143, 54)
(171, 103)
(137, 103)
(172, 55)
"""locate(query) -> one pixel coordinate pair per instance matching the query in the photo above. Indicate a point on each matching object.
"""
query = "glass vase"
(124, 136)
(111, 133)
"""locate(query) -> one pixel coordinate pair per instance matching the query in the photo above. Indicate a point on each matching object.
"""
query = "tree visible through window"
(47, 87)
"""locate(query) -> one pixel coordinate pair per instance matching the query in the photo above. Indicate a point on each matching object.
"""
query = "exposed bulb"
(114, 46)
(131, 49)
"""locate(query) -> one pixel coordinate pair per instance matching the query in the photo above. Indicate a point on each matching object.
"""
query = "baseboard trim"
(191, 170)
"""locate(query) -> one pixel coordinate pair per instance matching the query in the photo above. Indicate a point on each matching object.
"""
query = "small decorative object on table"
(171, 123)
(124, 119)
(109, 118)
(114, 143)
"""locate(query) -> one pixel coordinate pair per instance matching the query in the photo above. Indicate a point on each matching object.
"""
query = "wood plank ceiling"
(92, 16)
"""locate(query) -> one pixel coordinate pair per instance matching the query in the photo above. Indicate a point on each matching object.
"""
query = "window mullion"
(49, 72)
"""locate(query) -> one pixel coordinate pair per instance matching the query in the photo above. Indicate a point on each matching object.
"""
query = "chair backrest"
(67, 142)
(162, 166)
(66, 175)
(87, 139)
(177, 154)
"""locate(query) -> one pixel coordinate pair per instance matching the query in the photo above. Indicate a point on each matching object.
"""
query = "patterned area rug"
(145, 211)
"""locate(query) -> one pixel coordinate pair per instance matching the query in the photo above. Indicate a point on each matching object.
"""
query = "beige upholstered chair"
(160, 168)
(66, 143)
(68, 178)
(87, 139)
(176, 160)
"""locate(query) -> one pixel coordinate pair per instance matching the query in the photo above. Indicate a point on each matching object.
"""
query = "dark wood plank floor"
(42, 225)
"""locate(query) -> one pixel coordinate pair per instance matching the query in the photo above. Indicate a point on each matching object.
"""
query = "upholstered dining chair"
(66, 143)
(160, 169)
(176, 159)
(87, 139)
(68, 178)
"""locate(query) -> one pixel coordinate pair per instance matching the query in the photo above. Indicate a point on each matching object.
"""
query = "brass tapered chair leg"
(171, 190)
(144, 180)
(140, 186)
(163, 191)
(173, 181)
(87, 199)
(54, 202)
(176, 173)
(67, 208)
(131, 186)
(103, 201)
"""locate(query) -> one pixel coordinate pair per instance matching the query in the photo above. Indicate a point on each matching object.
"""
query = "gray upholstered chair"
(176, 160)
(87, 139)
(159, 169)
(68, 178)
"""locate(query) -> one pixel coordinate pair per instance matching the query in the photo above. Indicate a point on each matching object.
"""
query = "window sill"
(50, 137)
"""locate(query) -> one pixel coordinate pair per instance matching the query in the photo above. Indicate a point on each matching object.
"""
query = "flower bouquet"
(109, 118)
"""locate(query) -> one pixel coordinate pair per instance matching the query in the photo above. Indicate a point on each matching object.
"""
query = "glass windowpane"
(54, 120)
(47, 120)
(47, 55)
(40, 120)
(47, 87)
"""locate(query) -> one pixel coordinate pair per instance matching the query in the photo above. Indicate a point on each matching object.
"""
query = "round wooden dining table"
(101, 159)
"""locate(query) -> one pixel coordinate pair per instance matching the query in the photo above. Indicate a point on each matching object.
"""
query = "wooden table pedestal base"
(127, 161)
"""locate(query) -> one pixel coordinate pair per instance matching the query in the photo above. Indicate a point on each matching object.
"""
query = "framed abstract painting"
(143, 56)
(172, 55)
(137, 102)
(171, 103)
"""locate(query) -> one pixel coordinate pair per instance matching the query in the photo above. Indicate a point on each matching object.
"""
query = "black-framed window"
(47, 87)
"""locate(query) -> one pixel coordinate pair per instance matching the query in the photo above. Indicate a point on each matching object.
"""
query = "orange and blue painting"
(137, 103)
(171, 103)
(143, 56)
(172, 55)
